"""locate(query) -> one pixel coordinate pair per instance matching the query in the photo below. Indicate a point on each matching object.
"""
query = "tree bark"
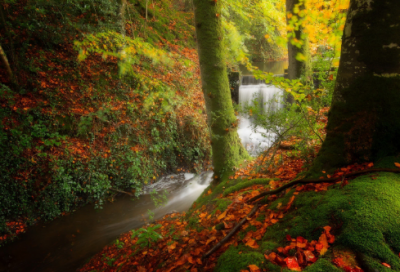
(364, 120)
(4, 60)
(122, 16)
(227, 149)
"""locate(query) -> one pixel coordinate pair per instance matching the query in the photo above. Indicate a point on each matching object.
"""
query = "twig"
(325, 180)
(120, 191)
(311, 127)
(232, 232)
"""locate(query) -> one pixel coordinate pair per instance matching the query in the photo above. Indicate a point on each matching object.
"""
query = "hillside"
(104, 97)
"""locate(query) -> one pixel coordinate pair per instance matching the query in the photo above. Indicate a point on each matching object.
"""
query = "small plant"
(119, 244)
(146, 236)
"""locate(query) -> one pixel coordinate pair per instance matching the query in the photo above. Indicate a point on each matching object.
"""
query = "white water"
(256, 140)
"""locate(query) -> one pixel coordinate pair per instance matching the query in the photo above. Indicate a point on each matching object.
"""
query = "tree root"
(325, 180)
(258, 204)
(232, 232)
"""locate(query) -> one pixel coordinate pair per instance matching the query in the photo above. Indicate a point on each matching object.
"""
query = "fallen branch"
(325, 180)
(232, 232)
(120, 191)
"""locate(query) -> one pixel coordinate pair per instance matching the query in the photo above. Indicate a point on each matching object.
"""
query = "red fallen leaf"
(271, 257)
(310, 257)
(301, 258)
(280, 261)
(385, 264)
(301, 242)
(254, 268)
(292, 264)
(338, 262)
(290, 239)
(286, 249)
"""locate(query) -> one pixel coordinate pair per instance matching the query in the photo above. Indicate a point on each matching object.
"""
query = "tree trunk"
(227, 149)
(296, 67)
(122, 11)
(364, 120)
(4, 60)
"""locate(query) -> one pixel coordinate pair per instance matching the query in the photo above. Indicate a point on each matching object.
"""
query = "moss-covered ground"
(364, 216)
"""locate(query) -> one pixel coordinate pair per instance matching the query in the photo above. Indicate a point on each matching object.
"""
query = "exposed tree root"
(258, 204)
(325, 180)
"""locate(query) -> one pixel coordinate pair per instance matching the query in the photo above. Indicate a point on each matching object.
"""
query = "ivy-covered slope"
(104, 99)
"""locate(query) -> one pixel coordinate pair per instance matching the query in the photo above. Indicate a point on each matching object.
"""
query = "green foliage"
(146, 236)
(56, 155)
(253, 30)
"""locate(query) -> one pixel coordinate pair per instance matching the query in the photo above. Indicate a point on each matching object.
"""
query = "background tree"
(227, 149)
(364, 117)
(298, 42)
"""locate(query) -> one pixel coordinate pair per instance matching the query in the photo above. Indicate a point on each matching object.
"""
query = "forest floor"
(180, 241)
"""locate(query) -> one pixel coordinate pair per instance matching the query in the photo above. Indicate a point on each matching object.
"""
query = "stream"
(67, 243)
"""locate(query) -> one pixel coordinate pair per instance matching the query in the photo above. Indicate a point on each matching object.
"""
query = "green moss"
(243, 233)
(231, 260)
(281, 201)
(268, 246)
(244, 184)
(322, 265)
(363, 215)
(221, 204)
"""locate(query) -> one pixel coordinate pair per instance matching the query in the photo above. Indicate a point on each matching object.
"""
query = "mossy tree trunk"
(364, 120)
(227, 149)
(296, 67)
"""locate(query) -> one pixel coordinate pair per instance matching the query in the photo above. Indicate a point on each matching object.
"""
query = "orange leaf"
(222, 215)
(385, 264)
(397, 164)
(211, 239)
(322, 240)
(254, 268)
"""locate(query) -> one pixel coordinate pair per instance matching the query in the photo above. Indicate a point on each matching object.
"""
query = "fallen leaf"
(292, 264)
(222, 215)
(254, 268)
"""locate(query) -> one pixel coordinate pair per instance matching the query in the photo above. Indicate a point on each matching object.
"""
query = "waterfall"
(270, 99)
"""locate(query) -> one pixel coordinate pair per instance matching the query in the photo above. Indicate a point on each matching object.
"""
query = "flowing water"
(256, 140)
(66, 243)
